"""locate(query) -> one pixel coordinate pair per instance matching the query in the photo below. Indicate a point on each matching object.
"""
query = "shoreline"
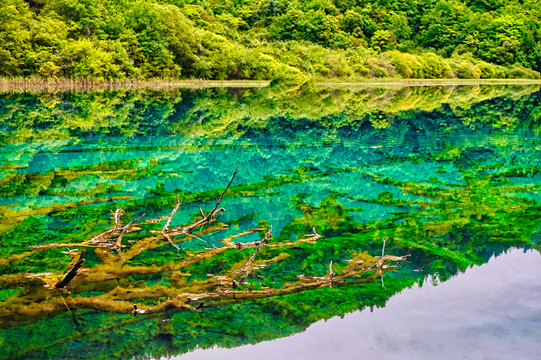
(430, 82)
(85, 84)
(7, 85)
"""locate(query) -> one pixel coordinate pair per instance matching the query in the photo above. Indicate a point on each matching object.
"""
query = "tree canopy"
(269, 39)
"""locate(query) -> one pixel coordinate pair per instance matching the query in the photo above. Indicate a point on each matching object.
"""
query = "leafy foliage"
(271, 39)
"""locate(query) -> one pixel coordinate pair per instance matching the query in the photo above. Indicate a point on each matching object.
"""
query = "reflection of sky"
(490, 312)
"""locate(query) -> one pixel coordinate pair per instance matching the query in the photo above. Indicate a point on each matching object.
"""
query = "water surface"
(446, 177)
(471, 316)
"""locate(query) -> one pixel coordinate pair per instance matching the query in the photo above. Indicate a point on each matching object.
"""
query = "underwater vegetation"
(137, 268)
(139, 244)
(115, 279)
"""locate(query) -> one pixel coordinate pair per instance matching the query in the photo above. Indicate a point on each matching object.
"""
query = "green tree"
(15, 36)
(398, 24)
(383, 40)
(441, 26)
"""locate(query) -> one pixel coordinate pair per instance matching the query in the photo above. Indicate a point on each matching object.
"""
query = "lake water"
(442, 179)
(472, 316)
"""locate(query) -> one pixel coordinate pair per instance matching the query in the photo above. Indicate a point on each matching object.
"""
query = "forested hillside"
(270, 39)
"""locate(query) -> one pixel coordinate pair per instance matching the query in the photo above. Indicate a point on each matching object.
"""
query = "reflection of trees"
(214, 113)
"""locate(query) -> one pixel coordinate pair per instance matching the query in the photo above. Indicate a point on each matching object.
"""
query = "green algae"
(448, 204)
(54, 181)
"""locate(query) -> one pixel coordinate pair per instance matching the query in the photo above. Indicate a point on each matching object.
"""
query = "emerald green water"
(450, 175)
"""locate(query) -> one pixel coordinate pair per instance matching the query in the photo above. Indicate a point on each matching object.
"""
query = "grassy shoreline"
(7, 85)
(86, 84)
(430, 82)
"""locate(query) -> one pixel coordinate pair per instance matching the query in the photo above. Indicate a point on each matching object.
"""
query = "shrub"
(520, 72)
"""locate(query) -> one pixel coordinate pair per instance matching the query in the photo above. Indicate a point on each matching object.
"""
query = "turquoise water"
(448, 176)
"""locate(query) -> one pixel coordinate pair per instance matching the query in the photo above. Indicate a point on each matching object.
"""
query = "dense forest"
(270, 39)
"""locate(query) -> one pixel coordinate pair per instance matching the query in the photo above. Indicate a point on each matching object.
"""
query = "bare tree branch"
(175, 209)
(118, 213)
(171, 241)
(212, 214)
(125, 229)
(247, 268)
(314, 234)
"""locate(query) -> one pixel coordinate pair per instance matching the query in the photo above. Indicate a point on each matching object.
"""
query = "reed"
(38, 84)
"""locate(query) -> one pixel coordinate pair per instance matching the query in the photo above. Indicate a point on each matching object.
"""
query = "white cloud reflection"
(489, 312)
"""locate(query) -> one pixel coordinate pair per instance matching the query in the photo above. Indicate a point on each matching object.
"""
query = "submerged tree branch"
(112, 270)
(213, 213)
(73, 272)
(170, 218)
(125, 229)
(248, 267)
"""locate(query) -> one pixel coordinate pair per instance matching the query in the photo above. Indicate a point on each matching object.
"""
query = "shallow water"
(449, 176)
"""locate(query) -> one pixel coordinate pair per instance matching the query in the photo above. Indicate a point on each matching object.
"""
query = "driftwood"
(116, 217)
(314, 234)
(165, 230)
(331, 272)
